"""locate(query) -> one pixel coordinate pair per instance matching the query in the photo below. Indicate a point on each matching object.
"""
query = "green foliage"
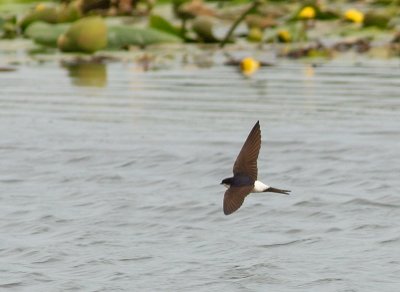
(8, 27)
(326, 14)
(44, 33)
(255, 35)
(69, 12)
(203, 27)
(125, 35)
(91, 34)
(268, 21)
(161, 24)
(378, 20)
(87, 35)
(40, 13)
(52, 14)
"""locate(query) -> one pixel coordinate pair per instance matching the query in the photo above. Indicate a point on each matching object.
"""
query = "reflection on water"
(87, 73)
(7, 69)
(117, 188)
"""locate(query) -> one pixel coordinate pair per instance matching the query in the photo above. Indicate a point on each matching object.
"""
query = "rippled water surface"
(111, 182)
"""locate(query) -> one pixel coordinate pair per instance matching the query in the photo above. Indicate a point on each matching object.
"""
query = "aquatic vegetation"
(42, 12)
(354, 15)
(255, 35)
(123, 36)
(125, 23)
(46, 34)
(376, 19)
(249, 66)
(69, 12)
(396, 38)
(261, 22)
(361, 45)
(316, 50)
(307, 12)
(91, 34)
(87, 35)
(284, 36)
(203, 27)
(159, 23)
(8, 27)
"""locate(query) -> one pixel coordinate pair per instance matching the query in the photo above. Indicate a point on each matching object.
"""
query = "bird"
(244, 180)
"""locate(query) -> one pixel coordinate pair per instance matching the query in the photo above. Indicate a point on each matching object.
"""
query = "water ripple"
(117, 188)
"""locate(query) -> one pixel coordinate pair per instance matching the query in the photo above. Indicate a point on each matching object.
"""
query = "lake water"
(110, 177)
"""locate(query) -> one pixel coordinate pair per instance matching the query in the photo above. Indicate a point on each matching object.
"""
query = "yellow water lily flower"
(40, 7)
(255, 34)
(284, 36)
(354, 15)
(307, 12)
(249, 66)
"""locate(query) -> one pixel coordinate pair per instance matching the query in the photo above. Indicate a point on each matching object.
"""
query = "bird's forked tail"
(274, 190)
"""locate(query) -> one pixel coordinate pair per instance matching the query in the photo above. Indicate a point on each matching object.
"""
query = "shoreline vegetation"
(293, 29)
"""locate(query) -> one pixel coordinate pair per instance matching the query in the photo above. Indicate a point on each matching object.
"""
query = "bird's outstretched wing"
(234, 197)
(246, 162)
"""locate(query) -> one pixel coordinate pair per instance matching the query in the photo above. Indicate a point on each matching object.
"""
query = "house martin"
(244, 180)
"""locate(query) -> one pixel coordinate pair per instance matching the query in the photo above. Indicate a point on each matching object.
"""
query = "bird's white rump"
(259, 187)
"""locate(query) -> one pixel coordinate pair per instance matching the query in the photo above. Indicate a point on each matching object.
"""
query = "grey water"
(109, 177)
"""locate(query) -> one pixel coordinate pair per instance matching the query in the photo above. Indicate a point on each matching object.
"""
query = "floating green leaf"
(69, 12)
(125, 35)
(161, 24)
(44, 33)
(8, 27)
(378, 20)
(40, 13)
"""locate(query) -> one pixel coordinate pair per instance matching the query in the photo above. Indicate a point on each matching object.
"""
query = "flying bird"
(244, 180)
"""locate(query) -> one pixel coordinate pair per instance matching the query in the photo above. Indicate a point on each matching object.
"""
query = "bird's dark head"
(227, 182)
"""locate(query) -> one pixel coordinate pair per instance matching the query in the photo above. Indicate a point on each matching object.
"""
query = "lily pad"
(45, 33)
(125, 35)
(161, 24)
(378, 20)
(70, 12)
(8, 27)
(40, 13)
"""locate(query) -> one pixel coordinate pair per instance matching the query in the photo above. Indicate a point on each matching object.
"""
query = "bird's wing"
(234, 197)
(246, 162)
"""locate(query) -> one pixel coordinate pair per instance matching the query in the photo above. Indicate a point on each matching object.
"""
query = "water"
(110, 179)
